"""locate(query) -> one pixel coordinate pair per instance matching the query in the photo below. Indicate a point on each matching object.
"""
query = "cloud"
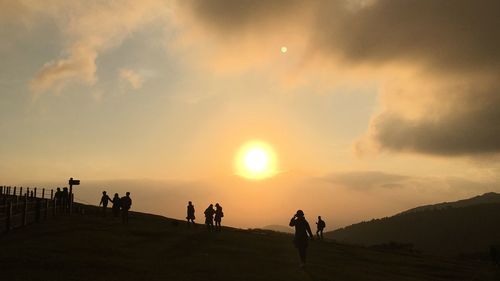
(437, 61)
(134, 79)
(90, 28)
(363, 180)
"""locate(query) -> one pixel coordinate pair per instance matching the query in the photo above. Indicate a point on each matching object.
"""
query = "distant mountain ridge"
(279, 228)
(487, 198)
(462, 227)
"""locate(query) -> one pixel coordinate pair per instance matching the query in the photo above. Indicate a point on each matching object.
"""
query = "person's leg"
(302, 255)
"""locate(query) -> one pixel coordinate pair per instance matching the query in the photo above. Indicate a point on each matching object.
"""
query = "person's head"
(116, 195)
(58, 189)
(217, 205)
(104, 193)
(319, 217)
(128, 194)
(190, 203)
(211, 205)
(300, 213)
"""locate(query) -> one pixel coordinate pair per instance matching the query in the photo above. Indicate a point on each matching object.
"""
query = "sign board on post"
(72, 182)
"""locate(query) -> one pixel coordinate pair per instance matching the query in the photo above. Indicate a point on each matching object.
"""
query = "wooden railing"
(18, 209)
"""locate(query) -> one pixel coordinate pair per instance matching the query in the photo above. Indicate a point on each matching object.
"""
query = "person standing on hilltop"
(116, 205)
(302, 229)
(65, 198)
(125, 204)
(218, 217)
(190, 213)
(58, 197)
(209, 216)
(104, 202)
(320, 225)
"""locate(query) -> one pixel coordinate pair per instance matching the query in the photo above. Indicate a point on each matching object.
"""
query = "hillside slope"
(487, 198)
(155, 248)
(451, 231)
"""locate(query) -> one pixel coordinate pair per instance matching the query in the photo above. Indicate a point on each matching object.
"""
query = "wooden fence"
(18, 209)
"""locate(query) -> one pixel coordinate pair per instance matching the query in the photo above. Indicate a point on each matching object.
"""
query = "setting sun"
(256, 160)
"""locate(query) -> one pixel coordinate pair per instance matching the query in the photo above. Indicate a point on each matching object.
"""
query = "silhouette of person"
(209, 216)
(65, 198)
(58, 196)
(190, 213)
(218, 217)
(302, 229)
(116, 205)
(125, 204)
(320, 225)
(104, 202)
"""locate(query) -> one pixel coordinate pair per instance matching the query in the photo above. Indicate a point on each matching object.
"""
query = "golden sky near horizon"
(365, 107)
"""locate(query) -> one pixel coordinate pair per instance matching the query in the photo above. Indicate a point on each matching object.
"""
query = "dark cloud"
(446, 40)
(468, 124)
(227, 16)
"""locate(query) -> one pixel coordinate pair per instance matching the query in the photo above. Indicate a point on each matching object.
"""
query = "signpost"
(72, 182)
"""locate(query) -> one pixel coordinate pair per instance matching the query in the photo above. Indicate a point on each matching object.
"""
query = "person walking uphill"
(116, 205)
(302, 229)
(320, 226)
(125, 204)
(104, 202)
(218, 217)
(190, 213)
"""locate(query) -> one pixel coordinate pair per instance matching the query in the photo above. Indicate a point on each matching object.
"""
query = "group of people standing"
(62, 197)
(210, 213)
(120, 205)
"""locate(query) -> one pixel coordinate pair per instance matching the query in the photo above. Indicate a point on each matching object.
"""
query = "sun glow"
(256, 160)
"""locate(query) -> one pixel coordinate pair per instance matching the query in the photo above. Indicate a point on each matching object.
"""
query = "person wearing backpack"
(320, 226)
(125, 204)
(209, 217)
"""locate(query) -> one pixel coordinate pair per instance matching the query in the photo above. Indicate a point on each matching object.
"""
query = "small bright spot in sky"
(284, 49)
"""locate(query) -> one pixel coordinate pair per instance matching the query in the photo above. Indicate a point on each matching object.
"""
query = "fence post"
(15, 190)
(25, 210)
(55, 207)
(1, 190)
(21, 191)
(51, 194)
(37, 209)
(8, 220)
(4, 203)
(35, 192)
(43, 193)
(46, 209)
(27, 190)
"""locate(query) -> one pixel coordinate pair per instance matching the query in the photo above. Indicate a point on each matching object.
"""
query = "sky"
(371, 107)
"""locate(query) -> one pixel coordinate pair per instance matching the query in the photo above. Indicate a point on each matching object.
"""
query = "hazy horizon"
(361, 108)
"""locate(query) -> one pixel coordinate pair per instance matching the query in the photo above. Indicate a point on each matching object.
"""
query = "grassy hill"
(450, 229)
(487, 198)
(156, 248)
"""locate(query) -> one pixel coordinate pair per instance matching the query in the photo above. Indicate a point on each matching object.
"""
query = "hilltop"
(466, 227)
(157, 248)
(487, 198)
